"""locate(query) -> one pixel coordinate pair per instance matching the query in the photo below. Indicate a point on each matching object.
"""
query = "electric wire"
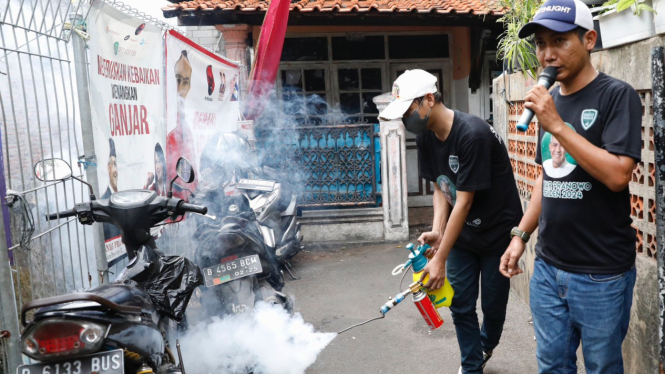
(23, 217)
(362, 323)
(402, 281)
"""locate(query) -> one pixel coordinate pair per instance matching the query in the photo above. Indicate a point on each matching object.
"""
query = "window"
(358, 48)
(304, 95)
(418, 46)
(305, 49)
(357, 88)
(348, 70)
(493, 68)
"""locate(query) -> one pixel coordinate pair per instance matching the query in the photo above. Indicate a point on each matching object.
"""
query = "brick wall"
(643, 186)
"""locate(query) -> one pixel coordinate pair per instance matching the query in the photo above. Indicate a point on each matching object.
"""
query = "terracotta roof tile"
(476, 7)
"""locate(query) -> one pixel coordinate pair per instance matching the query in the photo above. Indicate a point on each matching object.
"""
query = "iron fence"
(333, 165)
(338, 165)
(43, 116)
(39, 119)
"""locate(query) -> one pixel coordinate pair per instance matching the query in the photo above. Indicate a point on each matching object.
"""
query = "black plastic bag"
(172, 287)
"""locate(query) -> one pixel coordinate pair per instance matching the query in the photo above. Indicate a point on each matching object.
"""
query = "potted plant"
(619, 26)
(518, 54)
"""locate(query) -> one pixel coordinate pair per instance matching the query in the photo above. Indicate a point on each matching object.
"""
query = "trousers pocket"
(602, 278)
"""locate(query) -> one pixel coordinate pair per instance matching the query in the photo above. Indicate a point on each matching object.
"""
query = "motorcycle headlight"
(124, 198)
(229, 241)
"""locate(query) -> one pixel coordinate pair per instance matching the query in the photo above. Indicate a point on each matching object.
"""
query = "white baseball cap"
(412, 84)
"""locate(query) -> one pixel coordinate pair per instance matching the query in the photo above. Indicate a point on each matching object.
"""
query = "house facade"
(346, 52)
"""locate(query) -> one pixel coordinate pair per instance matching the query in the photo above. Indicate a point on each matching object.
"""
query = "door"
(491, 70)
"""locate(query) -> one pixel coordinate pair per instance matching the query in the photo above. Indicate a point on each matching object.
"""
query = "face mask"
(414, 124)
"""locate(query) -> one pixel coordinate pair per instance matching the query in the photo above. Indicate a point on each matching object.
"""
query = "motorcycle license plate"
(109, 362)
(256, 184)
(232, 270)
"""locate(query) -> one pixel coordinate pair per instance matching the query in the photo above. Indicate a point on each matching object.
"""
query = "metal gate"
(333, 165)
(44, 113)
(339, 164)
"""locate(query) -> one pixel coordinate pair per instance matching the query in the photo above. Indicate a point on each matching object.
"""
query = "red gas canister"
(427, 309)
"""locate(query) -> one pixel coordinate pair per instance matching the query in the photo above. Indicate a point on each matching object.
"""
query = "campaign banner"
(202, 99)
(127, 99)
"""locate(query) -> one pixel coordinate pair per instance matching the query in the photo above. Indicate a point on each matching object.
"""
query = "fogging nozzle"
(392, 302)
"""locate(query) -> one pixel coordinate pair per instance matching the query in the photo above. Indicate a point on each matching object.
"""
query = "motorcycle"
(121, 327)
(238, 268)
(238, 265)
(276, 207)
(270, 194)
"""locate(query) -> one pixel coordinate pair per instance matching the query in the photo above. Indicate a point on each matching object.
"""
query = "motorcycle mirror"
(52, 169)
(184, 170)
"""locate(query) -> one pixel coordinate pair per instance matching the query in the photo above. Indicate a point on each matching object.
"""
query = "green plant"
(637, 6)
(518, 53)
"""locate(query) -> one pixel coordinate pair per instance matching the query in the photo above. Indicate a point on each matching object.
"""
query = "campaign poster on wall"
(127, 98)
(202, 99)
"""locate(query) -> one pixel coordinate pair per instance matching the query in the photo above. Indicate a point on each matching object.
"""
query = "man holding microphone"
(584, 273)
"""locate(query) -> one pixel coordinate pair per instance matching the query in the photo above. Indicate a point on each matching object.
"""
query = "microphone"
(546, 79)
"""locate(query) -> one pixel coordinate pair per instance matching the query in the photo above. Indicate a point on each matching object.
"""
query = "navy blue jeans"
(465, 272)
(569, 307)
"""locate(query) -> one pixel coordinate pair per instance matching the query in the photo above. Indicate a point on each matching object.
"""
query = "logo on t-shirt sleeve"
(453, 161)
(589, 117)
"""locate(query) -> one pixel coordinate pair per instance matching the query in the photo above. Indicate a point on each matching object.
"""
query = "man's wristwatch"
(522, 234)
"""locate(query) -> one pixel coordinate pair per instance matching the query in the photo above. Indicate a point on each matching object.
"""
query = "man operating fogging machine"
(589, 141)
(475, 205)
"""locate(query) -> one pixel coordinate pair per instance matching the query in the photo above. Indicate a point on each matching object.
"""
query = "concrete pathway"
(342, 287)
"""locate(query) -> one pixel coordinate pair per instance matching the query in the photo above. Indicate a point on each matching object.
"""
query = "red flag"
(269, 53)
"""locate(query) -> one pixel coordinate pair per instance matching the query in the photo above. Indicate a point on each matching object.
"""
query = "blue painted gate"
(335, 166)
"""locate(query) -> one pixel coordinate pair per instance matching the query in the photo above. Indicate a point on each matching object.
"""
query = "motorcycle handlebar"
(63, 214)
(186, 207)
(181, 208)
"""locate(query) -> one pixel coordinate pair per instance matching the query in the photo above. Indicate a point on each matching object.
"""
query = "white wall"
(476, 103)
(207, 37)
(461, 95)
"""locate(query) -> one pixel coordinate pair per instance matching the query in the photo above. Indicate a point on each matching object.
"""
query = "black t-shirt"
(584, 226)
(474, 158)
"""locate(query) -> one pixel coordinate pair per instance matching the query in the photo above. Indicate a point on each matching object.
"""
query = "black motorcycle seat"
(125, 294)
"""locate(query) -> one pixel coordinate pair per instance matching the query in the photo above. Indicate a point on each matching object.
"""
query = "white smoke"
(267, 341)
